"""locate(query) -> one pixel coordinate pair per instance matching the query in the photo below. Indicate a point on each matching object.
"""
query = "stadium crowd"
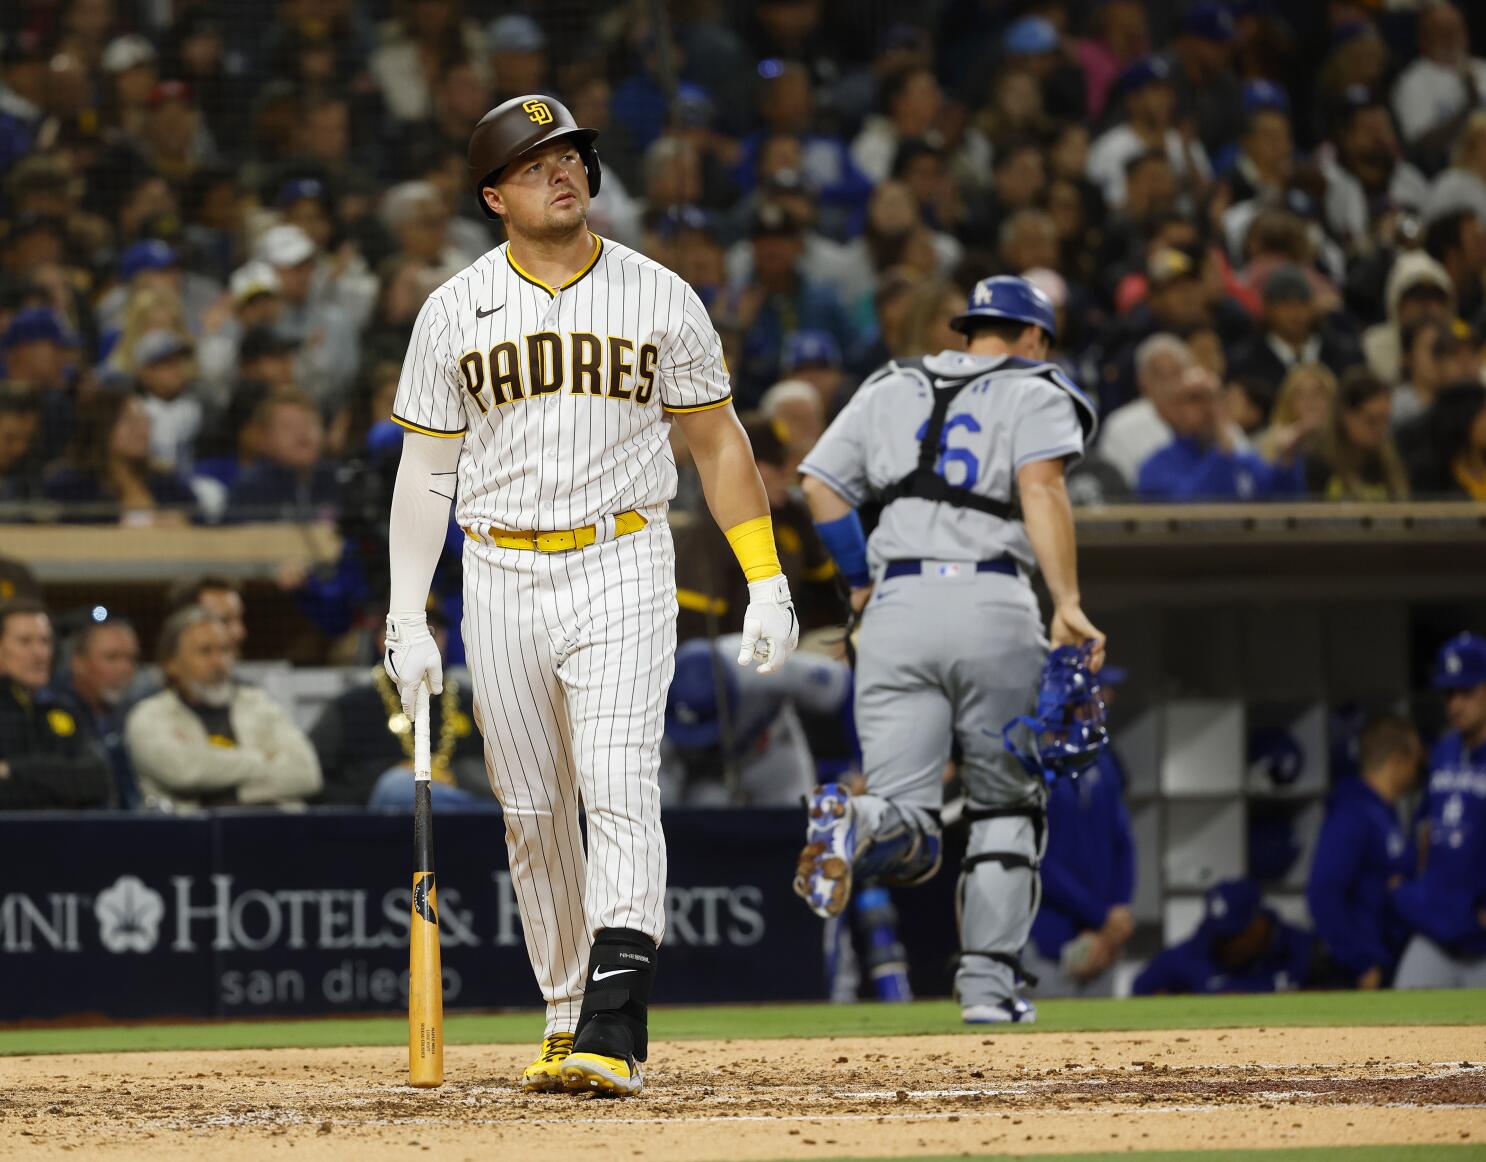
(1263, 228)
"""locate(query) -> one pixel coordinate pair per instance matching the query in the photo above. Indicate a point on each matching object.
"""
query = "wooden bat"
(425, 973)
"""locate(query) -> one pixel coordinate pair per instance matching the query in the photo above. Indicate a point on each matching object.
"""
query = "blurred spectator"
(1133, 432)
(266, 357)
(152, 265)
(1356, 458)
(1292, 331)
(796, 414)
(102, 663)
(328, 358)
(48, 759)
(1437, 352)
(1445, 448)
(418, 220)
(1463, 185)
(206, 741)
(815, 358)
(253, 303)
(713, 596)
(1457, 241)
(35, 349)
(1088, 880)
(291, 480)
(1120, 37)
(1202, 461)
(1150, 124)
(1240, 947)
(365, 743)
(1418, 288)
(758, 314)
(1442, 85)
(220, 597)
(106, 474)
(1207, 92)
(1446, 903)
(924, 328)
(1362, 854)
(418, 44)
(1266, 147)
(1302, 409)
(174, 139)
(1248, 403)
(747, 746)
(911, 104)
(163, 370)
(20, 427)
(1365, 175)
(518, 57)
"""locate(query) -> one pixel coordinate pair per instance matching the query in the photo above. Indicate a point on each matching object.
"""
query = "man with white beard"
(205, 740)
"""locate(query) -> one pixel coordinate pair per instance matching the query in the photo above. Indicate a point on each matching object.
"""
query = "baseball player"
(965, 451)
(539, 383)
(1446, 903)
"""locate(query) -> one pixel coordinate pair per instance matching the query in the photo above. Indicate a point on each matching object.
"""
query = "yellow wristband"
(753, 545)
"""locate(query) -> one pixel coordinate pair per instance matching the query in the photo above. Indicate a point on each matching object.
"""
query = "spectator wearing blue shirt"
(755, 318)
(1201, 462)
(292, 481)
(1088, 879)
(1446, 904)
(1240, 947)
(1363, 852)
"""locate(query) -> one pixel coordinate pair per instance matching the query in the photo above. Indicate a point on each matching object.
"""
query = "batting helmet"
(1005, 296)
(518, 126)
(1068, 729)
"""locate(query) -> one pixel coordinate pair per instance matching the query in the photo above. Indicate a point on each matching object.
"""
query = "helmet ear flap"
(594, 169)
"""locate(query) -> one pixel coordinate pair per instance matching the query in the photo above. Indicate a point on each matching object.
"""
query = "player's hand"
(1119, 925)
(412, 657)
(859, 598)
(770, 628)
(1371, 979)
(1071, 627)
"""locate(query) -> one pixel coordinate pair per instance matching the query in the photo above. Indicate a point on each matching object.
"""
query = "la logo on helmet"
(539, 111)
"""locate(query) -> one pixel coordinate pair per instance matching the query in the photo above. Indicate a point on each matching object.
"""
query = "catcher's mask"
(1068, 728)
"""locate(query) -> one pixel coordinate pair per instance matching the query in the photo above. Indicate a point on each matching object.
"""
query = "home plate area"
(782, 1099)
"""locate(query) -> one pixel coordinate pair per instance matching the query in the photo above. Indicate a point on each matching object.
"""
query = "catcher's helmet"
(1068, 729)
(518, 126)
(1004, 296)
(1461, 663)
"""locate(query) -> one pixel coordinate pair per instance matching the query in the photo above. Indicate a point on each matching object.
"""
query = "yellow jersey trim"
(421, 430)
(598, 248)
(700, 407)
(695, 602)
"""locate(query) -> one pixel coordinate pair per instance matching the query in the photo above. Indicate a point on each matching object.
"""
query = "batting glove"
(770, 629)
(411, 658)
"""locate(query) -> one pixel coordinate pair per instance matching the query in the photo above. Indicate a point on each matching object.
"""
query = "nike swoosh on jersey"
(484, 314)
(600, 974)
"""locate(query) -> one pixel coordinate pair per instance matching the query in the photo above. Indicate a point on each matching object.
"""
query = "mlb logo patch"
(950, 570)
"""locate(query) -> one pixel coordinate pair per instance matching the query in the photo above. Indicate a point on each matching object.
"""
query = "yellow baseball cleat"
(544, 1075)
(607, 1076)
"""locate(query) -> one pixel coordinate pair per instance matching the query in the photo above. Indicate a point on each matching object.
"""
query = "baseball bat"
(425, 973)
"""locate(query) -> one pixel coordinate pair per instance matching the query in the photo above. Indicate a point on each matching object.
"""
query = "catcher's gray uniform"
(951, 644)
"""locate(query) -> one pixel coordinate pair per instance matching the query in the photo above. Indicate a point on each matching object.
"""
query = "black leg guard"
(621, 969)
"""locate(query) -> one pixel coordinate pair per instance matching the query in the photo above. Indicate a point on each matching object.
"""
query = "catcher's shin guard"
(998, 894)
(621, 971)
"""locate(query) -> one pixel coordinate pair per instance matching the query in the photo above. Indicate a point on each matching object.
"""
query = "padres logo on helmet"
(518, 126)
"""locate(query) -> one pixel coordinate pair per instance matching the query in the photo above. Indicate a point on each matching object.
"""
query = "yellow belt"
(556, 542)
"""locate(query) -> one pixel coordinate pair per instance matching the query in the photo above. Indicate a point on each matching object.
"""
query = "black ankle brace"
(621, 969)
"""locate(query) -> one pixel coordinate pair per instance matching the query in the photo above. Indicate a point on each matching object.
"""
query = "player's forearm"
(1048, 514)
(420, 517)
(735, 493)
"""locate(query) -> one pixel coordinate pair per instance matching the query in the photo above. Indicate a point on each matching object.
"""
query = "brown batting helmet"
(518, 126)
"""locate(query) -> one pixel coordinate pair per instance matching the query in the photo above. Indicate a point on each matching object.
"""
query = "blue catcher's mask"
(1068, 729)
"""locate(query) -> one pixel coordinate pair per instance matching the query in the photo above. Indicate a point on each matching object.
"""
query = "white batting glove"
(770, 628)
(411, 658)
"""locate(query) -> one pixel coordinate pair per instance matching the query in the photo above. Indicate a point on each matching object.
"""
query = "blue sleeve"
(1062, 892)
(1164, 974)
(1280, 481)
(1351, 934)
(1212, 479)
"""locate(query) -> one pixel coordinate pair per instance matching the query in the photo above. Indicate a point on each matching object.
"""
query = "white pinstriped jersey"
(561, 393)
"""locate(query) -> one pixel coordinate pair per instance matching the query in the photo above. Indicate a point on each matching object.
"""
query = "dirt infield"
(888, 1097)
